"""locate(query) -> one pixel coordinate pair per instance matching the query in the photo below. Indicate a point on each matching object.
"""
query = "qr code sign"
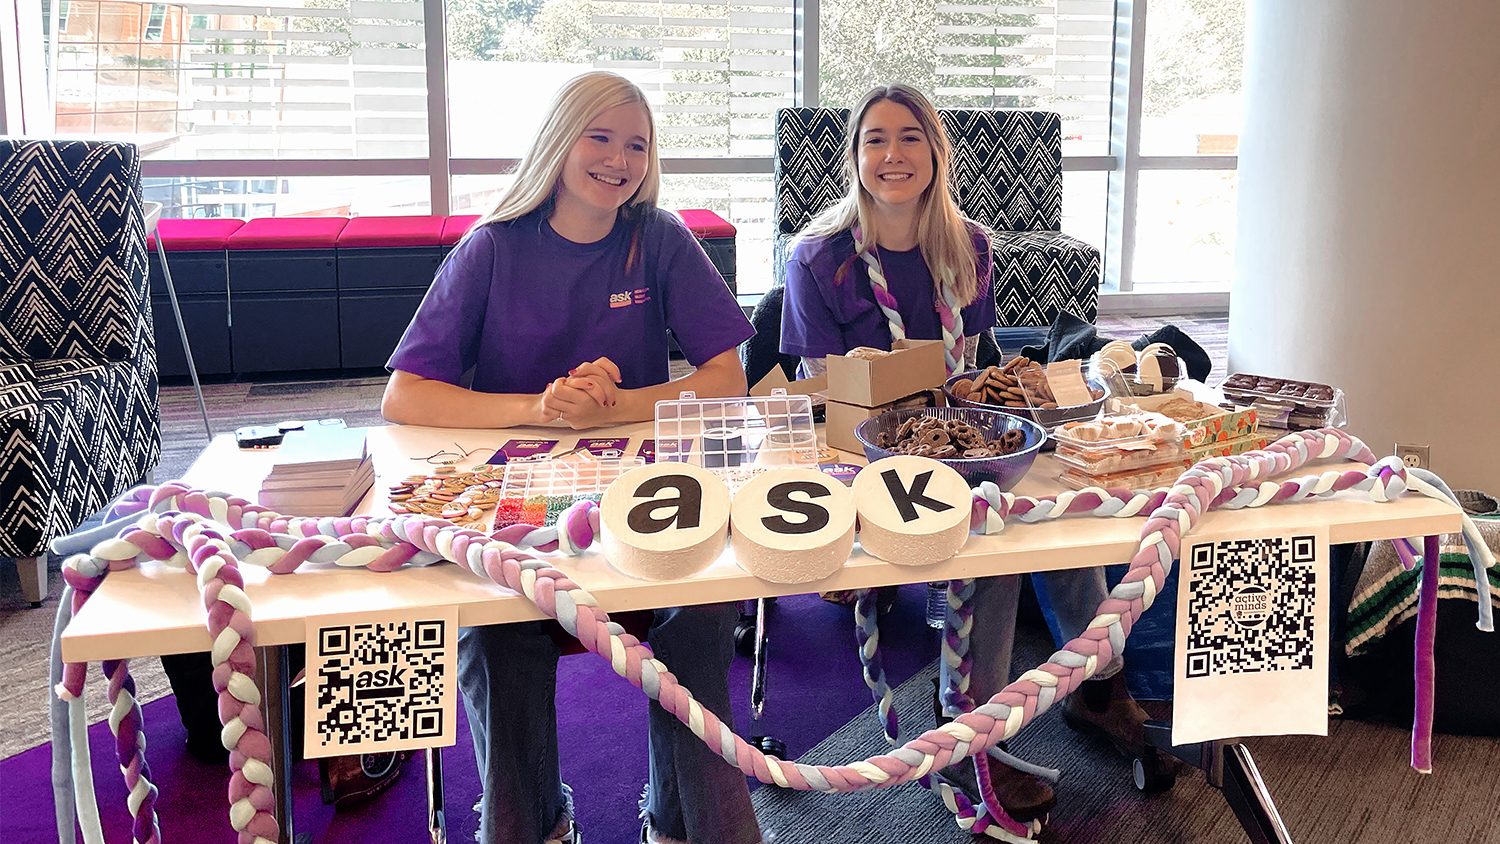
(1251, 605)
(379, 684)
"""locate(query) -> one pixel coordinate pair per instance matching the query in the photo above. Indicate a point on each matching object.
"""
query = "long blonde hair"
(945, 236)
(579, 101)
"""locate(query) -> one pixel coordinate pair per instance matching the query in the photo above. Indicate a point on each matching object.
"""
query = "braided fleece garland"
(950, 312)
(1230, 480)
(198, 528)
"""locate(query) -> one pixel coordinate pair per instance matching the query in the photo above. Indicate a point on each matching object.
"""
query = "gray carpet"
(1353, 786)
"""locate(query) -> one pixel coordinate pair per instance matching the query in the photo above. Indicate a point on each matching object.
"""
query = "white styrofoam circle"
(913, 511)
(675, 538)
(792, 525)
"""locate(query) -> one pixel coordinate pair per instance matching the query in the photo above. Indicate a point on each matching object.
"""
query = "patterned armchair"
(1006, 173)
(79, 419)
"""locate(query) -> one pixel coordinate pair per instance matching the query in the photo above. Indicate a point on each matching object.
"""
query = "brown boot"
(1105, 708)
(350, 781)
(1023, 796)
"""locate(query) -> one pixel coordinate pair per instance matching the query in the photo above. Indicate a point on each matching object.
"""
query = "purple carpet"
(814, 687)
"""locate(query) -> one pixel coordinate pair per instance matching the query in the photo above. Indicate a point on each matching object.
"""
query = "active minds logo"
(1250, 606)
(629, 297)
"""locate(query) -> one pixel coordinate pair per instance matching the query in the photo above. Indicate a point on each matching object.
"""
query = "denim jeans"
(1075, 595)
(508, 675)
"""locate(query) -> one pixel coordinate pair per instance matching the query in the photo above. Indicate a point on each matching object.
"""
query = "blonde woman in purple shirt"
(896, 258)
(559, 302)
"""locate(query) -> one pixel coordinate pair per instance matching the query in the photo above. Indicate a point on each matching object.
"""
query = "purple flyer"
(605, 448)
(522, 450)
(647, 451)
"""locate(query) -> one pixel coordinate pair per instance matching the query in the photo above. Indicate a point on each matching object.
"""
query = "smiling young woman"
(897, 230)
(895, 258)
(559, 302)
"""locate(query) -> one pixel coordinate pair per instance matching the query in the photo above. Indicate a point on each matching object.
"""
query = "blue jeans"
(508, 675)
(1075, 595)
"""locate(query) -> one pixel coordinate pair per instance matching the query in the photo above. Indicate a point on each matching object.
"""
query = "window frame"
(1124, 162)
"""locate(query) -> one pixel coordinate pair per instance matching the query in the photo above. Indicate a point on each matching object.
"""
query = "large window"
(421, 106)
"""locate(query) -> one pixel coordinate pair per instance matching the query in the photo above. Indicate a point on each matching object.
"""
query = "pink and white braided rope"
(1234, 485)
(202, 528)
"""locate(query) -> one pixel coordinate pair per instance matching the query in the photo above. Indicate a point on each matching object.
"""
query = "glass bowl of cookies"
(1020, 387)
(982, 444)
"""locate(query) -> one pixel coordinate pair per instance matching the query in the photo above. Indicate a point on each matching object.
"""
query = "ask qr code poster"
(380, 681)
(1252, 636)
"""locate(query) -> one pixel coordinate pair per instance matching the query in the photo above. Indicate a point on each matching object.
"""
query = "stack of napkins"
(323, 471)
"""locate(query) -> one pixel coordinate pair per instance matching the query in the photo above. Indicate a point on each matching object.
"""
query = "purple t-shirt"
(819, 317)
(522, 305)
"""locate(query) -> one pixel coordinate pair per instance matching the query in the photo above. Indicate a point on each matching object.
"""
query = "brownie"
(1241, 385)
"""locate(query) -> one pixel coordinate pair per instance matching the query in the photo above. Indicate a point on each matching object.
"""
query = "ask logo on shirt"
(629, 297)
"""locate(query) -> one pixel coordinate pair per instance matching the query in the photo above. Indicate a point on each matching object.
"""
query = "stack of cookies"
(998, 385)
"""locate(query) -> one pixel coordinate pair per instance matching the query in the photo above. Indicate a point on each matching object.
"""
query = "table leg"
(276, 685)
(1248, 797)
(1229, 767)
(758, 667)
(437, 823)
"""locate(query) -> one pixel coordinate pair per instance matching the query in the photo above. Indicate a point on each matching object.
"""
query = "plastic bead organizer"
(737, 438)
(536, 492)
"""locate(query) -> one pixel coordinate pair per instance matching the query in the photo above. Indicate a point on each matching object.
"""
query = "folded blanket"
(1386, 594)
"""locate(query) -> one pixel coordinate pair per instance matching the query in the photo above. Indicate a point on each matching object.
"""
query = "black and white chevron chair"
(79, 419)
(1006, 173)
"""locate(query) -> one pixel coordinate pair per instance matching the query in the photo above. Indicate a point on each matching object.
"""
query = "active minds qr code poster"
(379, 681)
(1252, 643)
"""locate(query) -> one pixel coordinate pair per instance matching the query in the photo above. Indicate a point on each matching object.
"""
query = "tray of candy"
(1309, 394)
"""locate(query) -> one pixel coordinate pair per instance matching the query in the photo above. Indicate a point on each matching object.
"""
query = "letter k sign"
(906, 500)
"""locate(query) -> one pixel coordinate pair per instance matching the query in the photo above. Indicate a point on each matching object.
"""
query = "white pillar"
(1369, 218)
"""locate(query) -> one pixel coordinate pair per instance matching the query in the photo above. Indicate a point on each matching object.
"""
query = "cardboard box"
(1225, 448)
(813, 387)
(1222, 427)
(911, 367)
(840, 419)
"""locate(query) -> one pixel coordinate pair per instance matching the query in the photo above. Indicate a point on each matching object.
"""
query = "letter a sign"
(664, 521)
(913, 511)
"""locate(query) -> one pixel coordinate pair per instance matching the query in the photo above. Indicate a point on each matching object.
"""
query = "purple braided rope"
(1425, 663)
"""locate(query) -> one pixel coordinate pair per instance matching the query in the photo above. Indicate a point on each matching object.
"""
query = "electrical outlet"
(1415, 456)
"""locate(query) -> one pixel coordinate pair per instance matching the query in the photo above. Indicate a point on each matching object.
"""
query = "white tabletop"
(155, 609)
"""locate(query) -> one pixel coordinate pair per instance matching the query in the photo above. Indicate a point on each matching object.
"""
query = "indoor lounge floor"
(1353, 786)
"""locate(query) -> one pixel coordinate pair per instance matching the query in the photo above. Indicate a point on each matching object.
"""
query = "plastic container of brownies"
(1288, 404)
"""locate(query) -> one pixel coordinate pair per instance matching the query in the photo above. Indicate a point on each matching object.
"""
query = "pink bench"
(318, 293)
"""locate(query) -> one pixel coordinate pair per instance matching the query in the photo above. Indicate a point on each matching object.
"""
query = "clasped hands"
(587, 397)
